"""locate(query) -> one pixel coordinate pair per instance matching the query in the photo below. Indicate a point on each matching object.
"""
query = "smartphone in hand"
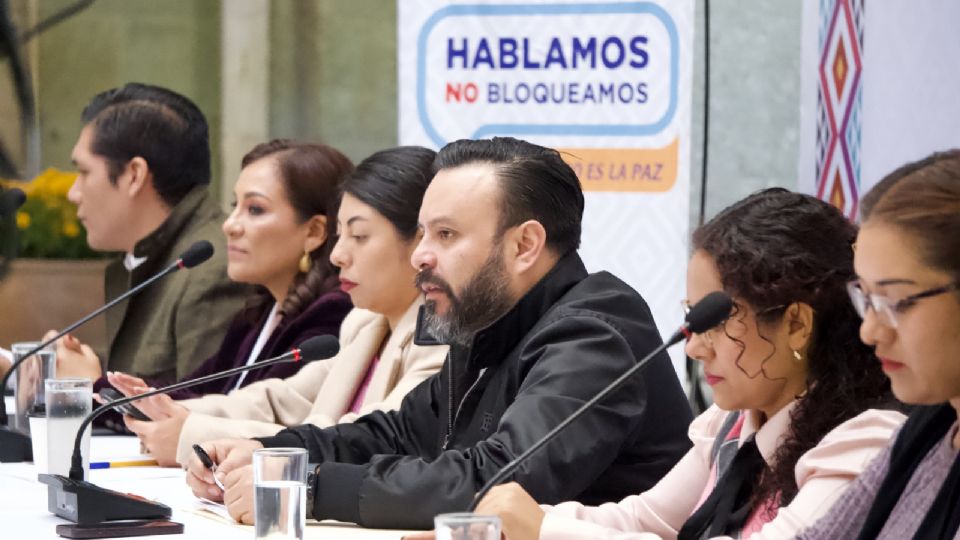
(109, 395)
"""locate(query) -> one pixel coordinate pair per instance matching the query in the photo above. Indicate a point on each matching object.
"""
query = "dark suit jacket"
(568, 337)
(167, 329)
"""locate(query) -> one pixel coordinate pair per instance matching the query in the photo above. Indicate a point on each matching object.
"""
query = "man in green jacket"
(143, 158)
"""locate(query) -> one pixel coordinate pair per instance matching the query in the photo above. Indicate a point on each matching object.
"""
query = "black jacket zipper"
(451, 417)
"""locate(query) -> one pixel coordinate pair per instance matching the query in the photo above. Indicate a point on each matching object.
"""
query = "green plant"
(47, 222)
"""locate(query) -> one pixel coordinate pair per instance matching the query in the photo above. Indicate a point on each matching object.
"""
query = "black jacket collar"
(493, 343)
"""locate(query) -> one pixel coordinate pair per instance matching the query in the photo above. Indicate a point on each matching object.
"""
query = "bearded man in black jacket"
(532, 337)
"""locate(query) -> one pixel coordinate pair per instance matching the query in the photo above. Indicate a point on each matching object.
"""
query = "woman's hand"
(160, 436)
(156, 407)
(520, 514)
(75, 359)
(126, 384)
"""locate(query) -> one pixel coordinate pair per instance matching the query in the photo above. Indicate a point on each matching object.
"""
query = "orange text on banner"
(624, 169)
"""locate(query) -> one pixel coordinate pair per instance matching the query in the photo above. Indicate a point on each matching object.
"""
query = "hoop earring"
(305, 262)
(797, 356)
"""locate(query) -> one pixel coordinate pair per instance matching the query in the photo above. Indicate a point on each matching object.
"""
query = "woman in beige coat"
(378, 362)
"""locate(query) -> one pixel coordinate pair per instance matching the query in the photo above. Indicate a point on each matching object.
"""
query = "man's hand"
(5, 362)
(161, 436)
(521, 516)
(75, 359)
(229, 455)
(239, 495)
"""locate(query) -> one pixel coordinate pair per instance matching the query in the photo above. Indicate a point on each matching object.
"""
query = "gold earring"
(797, 356)
(305, 262)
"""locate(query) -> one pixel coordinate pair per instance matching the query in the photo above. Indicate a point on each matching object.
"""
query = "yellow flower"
(23, 220)
(61, 182)
(71, 229)
(49, 218)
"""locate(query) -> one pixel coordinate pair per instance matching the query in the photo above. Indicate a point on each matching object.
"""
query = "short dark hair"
(393, 182)
(535, 184)
(163, 127)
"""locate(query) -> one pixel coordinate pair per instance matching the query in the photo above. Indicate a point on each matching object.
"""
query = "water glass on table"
(280, 493)
(28, 381)
(68, 401)
(466, 526)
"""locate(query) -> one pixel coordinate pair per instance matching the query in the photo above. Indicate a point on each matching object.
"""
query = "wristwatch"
(311, 487)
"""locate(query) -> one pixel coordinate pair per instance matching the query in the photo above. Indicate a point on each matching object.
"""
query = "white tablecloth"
(24, 515)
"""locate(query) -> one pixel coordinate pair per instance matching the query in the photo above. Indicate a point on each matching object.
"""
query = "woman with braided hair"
(379, 361)
(279, 238)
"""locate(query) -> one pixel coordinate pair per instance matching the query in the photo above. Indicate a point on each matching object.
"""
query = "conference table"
(24, 514)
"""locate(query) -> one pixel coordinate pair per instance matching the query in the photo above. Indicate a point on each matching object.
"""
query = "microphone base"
(14, 446)
(84, 503)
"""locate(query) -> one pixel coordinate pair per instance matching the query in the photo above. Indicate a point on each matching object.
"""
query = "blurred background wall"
(326, 70)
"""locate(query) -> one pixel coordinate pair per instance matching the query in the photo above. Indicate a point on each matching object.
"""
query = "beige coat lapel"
(346, 375)
(391, 360)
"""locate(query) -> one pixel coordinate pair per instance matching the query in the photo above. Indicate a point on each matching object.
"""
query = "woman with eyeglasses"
(798, 396)
(907, 261)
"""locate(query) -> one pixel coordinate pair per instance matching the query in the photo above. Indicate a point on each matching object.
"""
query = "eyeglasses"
(888, 310)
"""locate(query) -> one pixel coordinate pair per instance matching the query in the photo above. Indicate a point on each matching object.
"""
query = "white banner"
(880, 85)
(607, 83)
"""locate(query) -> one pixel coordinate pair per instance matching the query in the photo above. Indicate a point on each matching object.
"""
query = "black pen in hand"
(208, 463)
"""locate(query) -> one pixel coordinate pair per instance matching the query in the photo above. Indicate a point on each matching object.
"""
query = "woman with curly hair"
(799, 398)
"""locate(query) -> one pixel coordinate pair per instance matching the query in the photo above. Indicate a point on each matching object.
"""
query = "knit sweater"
(846, 517)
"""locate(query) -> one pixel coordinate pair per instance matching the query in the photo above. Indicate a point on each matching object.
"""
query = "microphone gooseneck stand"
(15, 446)
(82, 502)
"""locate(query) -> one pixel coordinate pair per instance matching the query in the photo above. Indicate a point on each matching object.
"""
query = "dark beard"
(483, 300)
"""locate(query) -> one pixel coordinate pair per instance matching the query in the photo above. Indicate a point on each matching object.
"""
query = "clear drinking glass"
(280, 492)
(69, 401)
(28, 381)
(466, 526)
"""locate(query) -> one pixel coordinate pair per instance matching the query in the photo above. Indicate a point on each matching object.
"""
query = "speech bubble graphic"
(512, 69)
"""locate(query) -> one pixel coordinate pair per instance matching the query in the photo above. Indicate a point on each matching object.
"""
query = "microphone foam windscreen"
(319, 348)
(197, 253)
(710, 311)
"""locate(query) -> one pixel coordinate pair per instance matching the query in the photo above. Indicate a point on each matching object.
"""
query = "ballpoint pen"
(122, 463)
(208, 463)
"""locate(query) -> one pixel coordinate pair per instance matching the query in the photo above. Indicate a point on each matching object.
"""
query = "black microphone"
(15, 446)
(11, 200)
(195, 254)
(82, 502)
(712, 310)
